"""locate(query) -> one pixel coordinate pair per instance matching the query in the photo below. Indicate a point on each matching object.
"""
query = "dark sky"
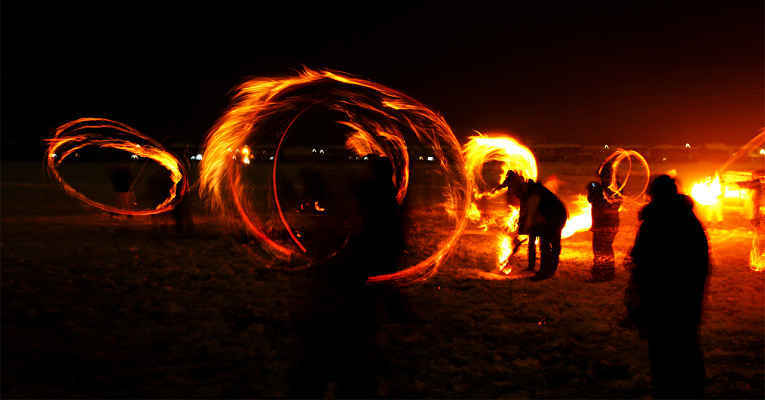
(580, 73)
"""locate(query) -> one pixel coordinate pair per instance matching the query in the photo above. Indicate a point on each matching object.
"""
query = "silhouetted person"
(542, 215)
(666, 291)
(338, 330)
(158, 185)
(122, 181)
(182, 214)
(605, 225)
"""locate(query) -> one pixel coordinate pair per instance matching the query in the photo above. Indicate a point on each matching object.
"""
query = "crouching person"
(542, 215)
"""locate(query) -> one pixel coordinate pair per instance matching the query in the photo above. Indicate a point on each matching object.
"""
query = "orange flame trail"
(480, 150)
(580, 220)
(615, 159)
(380, 121)
(104, 133)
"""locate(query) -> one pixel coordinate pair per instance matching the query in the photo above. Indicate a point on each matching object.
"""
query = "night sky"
(579, 73)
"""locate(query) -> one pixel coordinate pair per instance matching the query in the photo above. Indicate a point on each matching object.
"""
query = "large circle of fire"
(615, 160)
(104, 133)
(380, 121)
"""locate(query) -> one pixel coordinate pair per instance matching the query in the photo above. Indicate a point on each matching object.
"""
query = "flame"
(104, 133)
(707, 192)
(504, 251)
(756, 257)
(580, 220)
(380, 121)
(715, 194)
(363, 144)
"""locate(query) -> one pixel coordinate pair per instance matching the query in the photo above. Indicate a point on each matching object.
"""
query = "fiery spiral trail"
(380, 121)
(104, 133)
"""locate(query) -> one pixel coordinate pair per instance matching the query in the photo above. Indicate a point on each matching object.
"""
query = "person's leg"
(603, 254)
(549, 261)
(553, 252)
(532, 252)
(677, 366)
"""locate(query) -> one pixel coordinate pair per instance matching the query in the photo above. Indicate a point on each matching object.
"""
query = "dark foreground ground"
(95, 306)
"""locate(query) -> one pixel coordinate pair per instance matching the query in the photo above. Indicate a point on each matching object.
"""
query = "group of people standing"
(668, 266)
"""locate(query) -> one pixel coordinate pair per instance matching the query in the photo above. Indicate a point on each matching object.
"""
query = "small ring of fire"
(104, 133)
(615, 160)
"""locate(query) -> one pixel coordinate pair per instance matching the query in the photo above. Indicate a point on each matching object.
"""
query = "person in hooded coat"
(665, 295)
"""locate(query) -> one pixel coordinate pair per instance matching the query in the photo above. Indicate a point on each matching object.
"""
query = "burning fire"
(504, 251)
(715, 195)
(103, 133)
(756, 257)
(380, 121)
(581, 220)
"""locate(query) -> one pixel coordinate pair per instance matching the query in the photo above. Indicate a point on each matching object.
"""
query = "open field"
(97, 306)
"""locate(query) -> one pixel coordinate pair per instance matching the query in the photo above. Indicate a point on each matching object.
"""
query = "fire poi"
(102, 133)
(377, 120)
(580, 218)
(618, 184)
(512, 156)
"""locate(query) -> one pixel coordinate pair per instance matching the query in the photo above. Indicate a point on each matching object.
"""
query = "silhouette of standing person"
(542, 215)
(666, 291)
(605, 225)
(122, 181)
(338, 333)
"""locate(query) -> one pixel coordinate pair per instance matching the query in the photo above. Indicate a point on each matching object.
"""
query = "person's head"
(513, 181)
(663, 187)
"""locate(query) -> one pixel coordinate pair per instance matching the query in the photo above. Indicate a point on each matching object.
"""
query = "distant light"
(687, 145)
(271, 158)
(421, 158)
(762, 152)
(199, 157)
(321, 151)
(134, 157)
(431, 158)
(366, 157)
(53, 155)
(606, 147)
(664, 159)
(313, 150)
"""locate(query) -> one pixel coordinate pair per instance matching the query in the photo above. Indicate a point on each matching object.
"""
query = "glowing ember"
(580, 220)
(380, 120)
(103, 133)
